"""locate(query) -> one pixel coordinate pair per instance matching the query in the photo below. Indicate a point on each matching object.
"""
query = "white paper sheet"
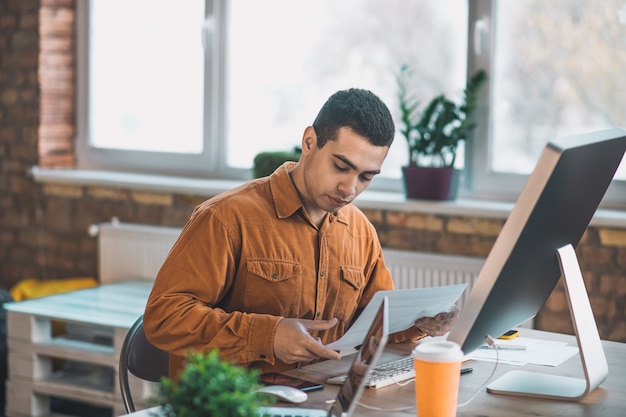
(405, 307)
(537, 352)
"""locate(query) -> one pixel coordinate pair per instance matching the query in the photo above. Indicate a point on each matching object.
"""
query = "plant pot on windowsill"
(433, 137)
(427, 183)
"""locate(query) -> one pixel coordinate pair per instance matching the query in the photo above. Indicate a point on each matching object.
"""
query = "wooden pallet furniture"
(68, 345)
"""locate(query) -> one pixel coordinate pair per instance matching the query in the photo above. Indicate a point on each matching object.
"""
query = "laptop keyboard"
(291, 412)
(392, 372)
(389, 373)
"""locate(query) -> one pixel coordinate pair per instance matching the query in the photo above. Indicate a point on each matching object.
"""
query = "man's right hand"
(293, 342)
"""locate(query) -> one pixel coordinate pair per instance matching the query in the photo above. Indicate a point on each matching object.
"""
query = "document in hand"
(405, 307)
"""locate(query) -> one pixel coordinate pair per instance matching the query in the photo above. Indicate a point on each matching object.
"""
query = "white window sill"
(377, 200)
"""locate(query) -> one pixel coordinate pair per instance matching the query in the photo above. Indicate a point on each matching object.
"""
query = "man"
(271, 271)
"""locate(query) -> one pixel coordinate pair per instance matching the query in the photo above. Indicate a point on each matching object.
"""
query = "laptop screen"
(365, 359)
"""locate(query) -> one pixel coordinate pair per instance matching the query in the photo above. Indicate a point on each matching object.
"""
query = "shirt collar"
(286, 198)
(284, 193)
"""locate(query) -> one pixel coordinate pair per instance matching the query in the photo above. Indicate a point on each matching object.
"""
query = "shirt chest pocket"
(350, 289)
(273, 287)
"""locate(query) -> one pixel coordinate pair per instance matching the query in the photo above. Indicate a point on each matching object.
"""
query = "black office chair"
(142, 359)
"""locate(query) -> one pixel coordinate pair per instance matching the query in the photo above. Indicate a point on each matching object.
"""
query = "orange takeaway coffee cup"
(437, 376)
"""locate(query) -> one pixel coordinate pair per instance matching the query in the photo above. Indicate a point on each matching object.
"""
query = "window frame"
(207, 164)
(479, 182)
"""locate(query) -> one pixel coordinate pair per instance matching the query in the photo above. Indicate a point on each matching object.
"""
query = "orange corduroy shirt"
(249, 257)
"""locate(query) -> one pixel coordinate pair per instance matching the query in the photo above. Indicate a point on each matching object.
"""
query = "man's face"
(338, 172)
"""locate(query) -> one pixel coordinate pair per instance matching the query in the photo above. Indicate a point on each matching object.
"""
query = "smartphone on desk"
(274, 378)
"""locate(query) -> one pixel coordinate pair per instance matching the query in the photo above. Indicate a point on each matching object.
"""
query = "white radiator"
(420, 269)
(128, 251)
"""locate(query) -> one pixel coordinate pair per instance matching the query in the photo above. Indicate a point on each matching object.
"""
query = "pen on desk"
(466, 370)
(504, 347)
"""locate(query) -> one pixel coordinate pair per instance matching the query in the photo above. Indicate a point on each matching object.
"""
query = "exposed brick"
(593, 255)
(53, 131)
(463, 245)
(53, 147)
(8, 22)
(9, 97)
(408, 239)
(176, 216)
(108, 193)
(374, 216)
(142, 197)
(28, 21)
(612, 286)
(613, 237)
(56, 21)
(480, 226)
(57, 161)
(66, 191)
(15, 219)
(414, 220)
(621, 258)
(58, 3)
(56, 44)
(616, 330)
(148, 214)
(189, 200)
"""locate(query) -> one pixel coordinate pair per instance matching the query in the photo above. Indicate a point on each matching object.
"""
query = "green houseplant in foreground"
(211, 387)
(434, 134)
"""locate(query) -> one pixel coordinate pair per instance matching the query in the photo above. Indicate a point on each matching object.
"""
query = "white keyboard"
(389, 373)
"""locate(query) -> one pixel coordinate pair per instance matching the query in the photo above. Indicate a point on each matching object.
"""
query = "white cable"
(371, 407)
(399, 383)
(489, 340)
(403, 383)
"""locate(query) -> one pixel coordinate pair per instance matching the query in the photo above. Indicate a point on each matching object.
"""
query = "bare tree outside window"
(286, 57)
(556, 72)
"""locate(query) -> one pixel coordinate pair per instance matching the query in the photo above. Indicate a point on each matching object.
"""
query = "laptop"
(352, 388)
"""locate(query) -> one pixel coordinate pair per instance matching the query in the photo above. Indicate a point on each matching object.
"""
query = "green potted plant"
(266, 162)
(433, 137)
(211, 387)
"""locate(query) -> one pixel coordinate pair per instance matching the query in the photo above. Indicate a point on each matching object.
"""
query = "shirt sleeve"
(181, 314)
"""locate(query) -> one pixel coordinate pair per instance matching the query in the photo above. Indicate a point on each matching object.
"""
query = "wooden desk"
(607, 400)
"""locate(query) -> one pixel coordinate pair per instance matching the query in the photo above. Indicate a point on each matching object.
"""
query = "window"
(555, 71)
(199, 88)
(142, 74)
(268, 67)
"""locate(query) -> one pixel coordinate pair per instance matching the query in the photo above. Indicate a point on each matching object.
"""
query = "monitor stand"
(539, 385)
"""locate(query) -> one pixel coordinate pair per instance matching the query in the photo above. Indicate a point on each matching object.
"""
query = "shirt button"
(322, 274)
(275, 276)
(318, 315)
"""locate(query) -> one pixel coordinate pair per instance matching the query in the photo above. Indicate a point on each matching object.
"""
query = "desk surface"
(609, 399)
(117, 305)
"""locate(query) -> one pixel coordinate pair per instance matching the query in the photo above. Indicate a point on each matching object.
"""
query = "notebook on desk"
(352, 388)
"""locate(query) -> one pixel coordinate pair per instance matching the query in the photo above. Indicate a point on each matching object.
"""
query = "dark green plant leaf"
(211, 387)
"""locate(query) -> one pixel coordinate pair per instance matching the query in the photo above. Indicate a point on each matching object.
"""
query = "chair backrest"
(142, 359)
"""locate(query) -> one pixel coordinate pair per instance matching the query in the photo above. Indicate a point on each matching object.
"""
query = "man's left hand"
(439, 324)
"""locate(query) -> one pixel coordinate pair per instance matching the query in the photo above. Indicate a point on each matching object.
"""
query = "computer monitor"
(532, 250)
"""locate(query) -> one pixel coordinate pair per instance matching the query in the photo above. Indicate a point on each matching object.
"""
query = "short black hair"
(359, 109)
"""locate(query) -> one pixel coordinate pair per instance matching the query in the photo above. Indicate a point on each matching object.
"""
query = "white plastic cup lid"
(438, 351)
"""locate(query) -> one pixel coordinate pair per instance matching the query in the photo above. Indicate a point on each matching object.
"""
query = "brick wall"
(19, 121)
(43, 228)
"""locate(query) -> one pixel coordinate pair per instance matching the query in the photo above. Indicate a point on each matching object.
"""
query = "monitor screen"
(553, 210)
